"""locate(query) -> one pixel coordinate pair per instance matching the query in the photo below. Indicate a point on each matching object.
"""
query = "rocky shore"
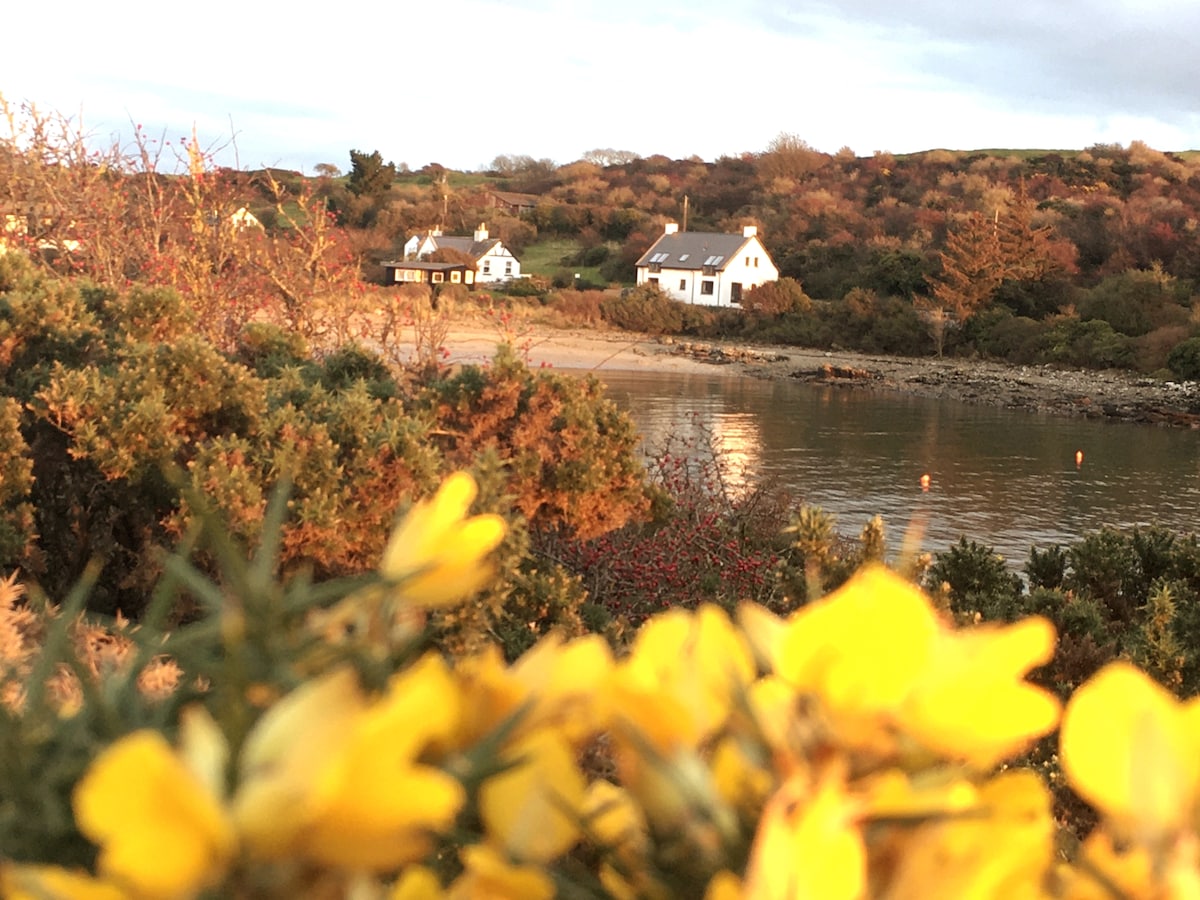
(1069, 392)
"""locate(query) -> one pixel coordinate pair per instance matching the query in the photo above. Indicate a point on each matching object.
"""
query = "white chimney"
(671, 228)
(481, 233)
(749, 231)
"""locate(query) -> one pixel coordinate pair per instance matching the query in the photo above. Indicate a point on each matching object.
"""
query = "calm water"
(1004, 478)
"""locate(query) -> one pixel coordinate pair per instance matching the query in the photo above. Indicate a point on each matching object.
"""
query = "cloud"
(462, 81)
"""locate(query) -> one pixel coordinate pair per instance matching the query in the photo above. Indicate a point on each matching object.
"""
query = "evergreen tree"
(369, 177)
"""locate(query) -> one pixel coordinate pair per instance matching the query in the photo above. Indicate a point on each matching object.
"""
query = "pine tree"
(972, 267)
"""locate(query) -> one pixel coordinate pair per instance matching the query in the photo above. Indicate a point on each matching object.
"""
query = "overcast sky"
(460, 82)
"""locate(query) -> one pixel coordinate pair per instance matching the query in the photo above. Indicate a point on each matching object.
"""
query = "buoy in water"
(1078, 458)
(925, 482)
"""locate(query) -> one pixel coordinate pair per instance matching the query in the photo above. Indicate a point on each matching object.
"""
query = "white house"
(707, 268)
(493, 261)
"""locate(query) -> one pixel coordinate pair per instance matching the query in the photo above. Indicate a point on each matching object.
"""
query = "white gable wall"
(498, 264)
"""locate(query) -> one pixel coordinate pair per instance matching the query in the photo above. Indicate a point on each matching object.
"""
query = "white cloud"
(464, 80)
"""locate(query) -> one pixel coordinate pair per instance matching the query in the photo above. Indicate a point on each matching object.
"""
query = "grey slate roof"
(465, 244)
(692, 249)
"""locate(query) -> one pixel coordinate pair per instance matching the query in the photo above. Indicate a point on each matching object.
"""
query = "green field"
(546, 258)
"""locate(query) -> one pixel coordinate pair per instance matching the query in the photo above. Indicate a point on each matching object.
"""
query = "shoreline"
(1107, 394)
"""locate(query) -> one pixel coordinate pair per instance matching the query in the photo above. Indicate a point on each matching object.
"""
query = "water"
(1004, 478)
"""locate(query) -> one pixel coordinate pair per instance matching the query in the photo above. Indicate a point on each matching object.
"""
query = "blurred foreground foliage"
(307, 739)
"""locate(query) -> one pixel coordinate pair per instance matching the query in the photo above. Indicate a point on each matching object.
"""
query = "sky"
(460, 82)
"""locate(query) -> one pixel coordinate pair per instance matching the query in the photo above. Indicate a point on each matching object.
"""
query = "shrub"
(977, 580)
(578, 307)
(1152, 351)
(775, 298)
(533, 286)
(644, 308)
(1092, 345)
(1184, 360)
(569, 452)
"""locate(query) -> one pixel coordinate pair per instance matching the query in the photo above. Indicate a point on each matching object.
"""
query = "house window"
(470, 277)
(439, 277)
(508, 267)
(747, 262)
(487, 267)
(683, 284)
(706, 287)
(456, 277)
(709, 270)
(756, 262)
(654, 281)
(735, 292)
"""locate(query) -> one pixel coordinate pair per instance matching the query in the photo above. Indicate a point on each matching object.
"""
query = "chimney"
(749, 231)
(672, 228)
(481, 233)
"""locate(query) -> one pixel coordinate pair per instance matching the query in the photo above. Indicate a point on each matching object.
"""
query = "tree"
(790, 157)
(971, 267)
(609, 157)
(369, 177)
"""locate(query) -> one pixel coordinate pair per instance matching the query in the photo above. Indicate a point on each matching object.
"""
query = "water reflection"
(1004, 477)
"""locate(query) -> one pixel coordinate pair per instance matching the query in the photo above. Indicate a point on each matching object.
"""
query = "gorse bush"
(309, 745)
(114, 398)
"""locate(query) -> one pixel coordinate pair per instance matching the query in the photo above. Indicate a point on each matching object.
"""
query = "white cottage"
(493, 261)
(707, 268)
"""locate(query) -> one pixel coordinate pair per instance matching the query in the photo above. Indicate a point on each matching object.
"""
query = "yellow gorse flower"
(882, 664)
(161, 831)
(332, 777)
(1133, 751)
(436, 554)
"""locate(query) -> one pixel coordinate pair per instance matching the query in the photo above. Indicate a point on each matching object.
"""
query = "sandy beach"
(1070, 392)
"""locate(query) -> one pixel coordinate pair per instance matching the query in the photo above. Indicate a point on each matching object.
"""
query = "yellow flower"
(972, 702)
(160, 830)
(808, 845)
(742, 780)
(52, 883)
(557, 683)
(1133, 751)
(682, 676)
(883, 665)
(532, 810)
(417, 883)
(333, 778)
(615, 822)
(863, 647)
(436, 554)
(1002, 847)
(488, 874)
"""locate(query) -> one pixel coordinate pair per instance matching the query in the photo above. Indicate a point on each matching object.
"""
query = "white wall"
(498, 264)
